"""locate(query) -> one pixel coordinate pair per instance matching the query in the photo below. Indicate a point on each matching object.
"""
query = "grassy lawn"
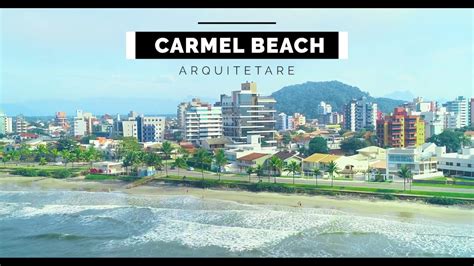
(442, 185)
(111, 177)
(341, 188)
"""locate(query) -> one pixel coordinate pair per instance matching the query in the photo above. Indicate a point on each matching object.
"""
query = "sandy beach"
(403, 210)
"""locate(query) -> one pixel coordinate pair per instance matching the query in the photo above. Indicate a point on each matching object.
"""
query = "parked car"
(190, 168)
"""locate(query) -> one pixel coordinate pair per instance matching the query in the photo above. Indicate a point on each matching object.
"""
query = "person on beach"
(299, 203)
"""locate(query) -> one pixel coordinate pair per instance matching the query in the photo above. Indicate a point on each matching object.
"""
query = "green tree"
(133, 159)
(66, 143)
(220, 160)
(293, 167)
(203, 157)
(286, 139)
(351, 145)
(66, 156)
(166, 149)
(332, 169)
(250, 171)
(318, 145)
(277, 165)
(152, 159)
(406, 174)
(92, 155)
(42, 161)
(127, 144)
(180, 162)
(316, 173)
(453, 140)
(259, 171)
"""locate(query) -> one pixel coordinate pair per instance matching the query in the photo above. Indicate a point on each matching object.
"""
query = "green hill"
(304, 98)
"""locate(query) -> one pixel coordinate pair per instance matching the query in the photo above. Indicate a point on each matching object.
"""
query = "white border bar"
(343, 45)
(130, 44)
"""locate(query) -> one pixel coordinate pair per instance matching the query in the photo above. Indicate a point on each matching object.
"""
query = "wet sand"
(404, 210)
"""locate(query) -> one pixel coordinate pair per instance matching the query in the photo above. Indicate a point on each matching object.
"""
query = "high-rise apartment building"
(471, 107)
(460, 112)
(150, 128)
(323, 108)
(247, 113)
(181, 114)
(401, 130)
(360, 114)
(202, 121)
(21, 125)
(298, 120)
(61, 120)
(6, 125)
(82, 124)
(282, 122)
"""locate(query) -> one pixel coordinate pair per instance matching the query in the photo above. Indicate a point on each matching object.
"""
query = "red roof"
(469, 133)
(252, 156)
(28, 135)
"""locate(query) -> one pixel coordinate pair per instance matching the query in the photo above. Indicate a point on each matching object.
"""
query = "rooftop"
(321, 158)
(252, 156)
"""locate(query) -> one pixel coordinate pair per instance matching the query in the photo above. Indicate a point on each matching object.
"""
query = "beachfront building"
(457, 164)
(421, 161)
(400, 130)
(253, 145)
(251, 160)
(202, 121)
(215, 143)
(360, 114)
(346, 165)
(286, 157)
(108, 168)
(245, 112)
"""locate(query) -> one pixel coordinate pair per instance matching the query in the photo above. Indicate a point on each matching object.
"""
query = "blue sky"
(75, 55)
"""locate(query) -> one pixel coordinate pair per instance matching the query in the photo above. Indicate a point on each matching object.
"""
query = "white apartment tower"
(202, 121)
(460, 112)
(360, 114)
(247, 113)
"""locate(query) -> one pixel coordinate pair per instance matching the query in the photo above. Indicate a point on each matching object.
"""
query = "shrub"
(388, 197)
(43, 173)
(441, 201)
(62, 173)
(25, 172)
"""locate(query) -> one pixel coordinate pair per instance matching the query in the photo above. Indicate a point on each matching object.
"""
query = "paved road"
(398, 184)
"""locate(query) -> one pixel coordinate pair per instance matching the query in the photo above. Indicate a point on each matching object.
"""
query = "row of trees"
(65, 150)
(132, 155)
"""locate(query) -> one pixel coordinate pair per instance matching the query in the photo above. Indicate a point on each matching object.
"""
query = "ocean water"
(96, 224)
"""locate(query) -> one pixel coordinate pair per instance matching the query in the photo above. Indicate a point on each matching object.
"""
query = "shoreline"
(399, 209)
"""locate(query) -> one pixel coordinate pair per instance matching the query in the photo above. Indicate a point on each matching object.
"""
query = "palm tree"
(277, 164)
(332, 169)
(221, 160)
(293, 167)
(259, 171)
(316, 173)
(152, 159)
(250, 171)
(166, 149)
(202, 156)
(179, 162)
(404, 173)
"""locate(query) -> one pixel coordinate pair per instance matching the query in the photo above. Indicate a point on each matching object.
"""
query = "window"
(469, 165)
(458, 164)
